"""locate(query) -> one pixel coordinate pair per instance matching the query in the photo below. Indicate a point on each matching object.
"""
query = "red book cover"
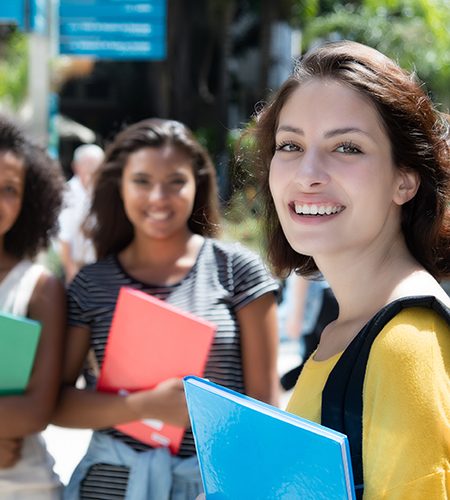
(149, 342)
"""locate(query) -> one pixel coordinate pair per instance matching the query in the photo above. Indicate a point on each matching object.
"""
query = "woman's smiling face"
(158, 191)
(332, 176)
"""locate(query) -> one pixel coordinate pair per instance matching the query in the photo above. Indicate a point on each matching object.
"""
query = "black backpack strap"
(342, 397)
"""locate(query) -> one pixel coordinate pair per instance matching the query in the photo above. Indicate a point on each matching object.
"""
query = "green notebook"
(18, 342)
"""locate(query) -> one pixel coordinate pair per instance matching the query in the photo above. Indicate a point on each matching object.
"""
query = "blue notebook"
(249, 449)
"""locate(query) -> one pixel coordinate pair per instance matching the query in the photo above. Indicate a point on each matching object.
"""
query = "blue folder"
(251, 450)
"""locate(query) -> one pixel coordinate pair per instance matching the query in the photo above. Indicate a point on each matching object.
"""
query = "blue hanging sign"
(113, 29)
(107, 9)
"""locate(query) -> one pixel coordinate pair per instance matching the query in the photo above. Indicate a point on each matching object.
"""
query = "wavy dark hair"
(111, 230)
(418, 134)
(37, 222)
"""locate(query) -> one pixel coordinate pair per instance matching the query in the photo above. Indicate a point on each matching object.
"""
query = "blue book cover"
(249, 449)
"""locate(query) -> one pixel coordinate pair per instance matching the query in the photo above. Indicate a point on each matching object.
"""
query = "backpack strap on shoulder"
(342, 397)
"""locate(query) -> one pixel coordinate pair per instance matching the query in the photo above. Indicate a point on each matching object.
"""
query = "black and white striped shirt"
(224, 278)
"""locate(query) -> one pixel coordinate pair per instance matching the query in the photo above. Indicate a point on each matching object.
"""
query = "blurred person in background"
(75, 249)
(311, 306)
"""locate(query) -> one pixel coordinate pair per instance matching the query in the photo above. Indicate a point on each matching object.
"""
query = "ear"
(408, 182)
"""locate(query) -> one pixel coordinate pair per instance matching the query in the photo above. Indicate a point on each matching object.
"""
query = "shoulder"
(413, 327)
(48, 291)
(241, 271)
(103, 274)
(234, 252)
(243, 264)
(99, 270)
(413, 346)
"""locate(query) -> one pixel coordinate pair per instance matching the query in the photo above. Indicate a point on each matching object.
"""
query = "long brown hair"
(108, 225)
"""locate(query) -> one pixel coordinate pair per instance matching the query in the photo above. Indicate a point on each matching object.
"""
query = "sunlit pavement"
(68, 445)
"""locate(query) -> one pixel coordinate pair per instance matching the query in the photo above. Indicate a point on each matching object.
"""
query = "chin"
(303, 248)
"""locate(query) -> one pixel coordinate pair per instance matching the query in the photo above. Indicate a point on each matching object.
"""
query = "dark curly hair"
(42, 196)
(108, 224)
(418, 135)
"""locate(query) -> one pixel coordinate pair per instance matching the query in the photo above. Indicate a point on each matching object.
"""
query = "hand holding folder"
(151, 341)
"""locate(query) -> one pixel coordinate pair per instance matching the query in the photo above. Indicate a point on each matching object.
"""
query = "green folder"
(19, 338)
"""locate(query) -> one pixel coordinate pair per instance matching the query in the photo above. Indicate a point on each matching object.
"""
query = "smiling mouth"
(317, 210)
(158, 216)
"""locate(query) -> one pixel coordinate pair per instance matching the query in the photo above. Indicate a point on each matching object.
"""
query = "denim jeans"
(153, 475)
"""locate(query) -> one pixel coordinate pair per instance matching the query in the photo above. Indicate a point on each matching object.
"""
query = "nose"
(157, 192)
(311, 171)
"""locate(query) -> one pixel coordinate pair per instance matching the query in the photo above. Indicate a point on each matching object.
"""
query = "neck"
(366, 282)
(146, 252)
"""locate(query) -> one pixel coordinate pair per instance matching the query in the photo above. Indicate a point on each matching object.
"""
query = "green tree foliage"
(13, 70)
(413, 32)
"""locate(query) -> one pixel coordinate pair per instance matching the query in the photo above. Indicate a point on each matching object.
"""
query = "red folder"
(149, 342)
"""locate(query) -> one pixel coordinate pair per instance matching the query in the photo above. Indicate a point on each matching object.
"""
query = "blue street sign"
(113, 29)
(104, 9)
(115, 49)
(13, 12)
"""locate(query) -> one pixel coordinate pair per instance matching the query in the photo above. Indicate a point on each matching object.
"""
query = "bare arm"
(259, 343)
(31, 412)
(10, 451)
(81, 408)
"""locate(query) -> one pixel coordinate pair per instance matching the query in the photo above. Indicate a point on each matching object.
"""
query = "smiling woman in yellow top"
(356, 188)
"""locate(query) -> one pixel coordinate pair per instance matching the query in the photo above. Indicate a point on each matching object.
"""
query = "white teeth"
(317, 209)
(158, 215)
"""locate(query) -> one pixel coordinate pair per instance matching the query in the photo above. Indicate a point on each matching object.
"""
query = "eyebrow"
(330, 133)
(344, 130)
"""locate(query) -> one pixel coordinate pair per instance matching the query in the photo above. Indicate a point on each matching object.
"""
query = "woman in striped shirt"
(156, 217)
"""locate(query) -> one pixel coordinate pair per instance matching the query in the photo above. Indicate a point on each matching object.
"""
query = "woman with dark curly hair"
(356, 180)
(155, 214)
(30, 199)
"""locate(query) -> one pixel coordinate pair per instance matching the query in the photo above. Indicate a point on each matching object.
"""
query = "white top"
(77, 203)
(18, 286)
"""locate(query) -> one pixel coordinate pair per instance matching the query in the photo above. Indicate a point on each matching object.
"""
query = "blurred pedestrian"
(30, 199)
(156, 209)
(75, 249)
(313, 306)
(356, 187)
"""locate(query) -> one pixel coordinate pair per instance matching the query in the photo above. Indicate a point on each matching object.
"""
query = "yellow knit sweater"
(406, 415)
